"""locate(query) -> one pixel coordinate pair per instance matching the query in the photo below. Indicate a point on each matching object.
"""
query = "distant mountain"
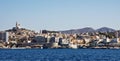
(88, 29)
(105, 29)
(68, 31)
(83, 30)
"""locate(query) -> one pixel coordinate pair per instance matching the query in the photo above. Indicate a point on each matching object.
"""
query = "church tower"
(17, 25)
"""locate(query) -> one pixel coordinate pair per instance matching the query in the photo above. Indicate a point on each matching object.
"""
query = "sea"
(59, 54)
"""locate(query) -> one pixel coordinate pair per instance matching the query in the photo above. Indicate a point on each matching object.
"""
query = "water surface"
(59, 55)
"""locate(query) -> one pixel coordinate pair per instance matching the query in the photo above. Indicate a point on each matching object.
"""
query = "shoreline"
(59, 48)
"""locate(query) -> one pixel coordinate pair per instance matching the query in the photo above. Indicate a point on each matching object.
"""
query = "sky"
(59, 14)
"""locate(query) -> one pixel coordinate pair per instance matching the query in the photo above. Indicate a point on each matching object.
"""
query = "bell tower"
(17, 25)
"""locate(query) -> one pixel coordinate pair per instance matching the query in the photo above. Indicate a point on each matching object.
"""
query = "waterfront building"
(57, 39)
(99, 41)
(63, 41)
(97, 37)
(48, 39)
(40, 32)
(54, 45)
(118, 40)
(108, 40)
(114, 40)
(81, 41)
(73, 46)
(39, 40)
(4, 36)
(87, 40)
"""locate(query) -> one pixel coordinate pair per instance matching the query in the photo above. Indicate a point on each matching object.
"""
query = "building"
(4, 36)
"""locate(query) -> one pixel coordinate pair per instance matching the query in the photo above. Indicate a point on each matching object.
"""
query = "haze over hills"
(88, 29)
(77, 31)
(105, 29)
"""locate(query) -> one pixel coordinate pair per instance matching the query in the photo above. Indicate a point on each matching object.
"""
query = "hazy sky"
(60, 14)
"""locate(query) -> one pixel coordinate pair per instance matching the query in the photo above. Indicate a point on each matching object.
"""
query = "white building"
(65, 41)
(87, 40)
(4, 36)
(108, 39)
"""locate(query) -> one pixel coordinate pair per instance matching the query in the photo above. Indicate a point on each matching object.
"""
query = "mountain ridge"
(88, 29)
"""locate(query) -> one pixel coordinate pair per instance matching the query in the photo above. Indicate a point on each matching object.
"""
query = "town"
(22, 38)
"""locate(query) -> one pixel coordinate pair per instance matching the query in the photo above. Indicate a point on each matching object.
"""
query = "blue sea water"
(59, 55)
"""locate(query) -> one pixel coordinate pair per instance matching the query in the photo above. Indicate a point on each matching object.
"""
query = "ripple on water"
(60, 55)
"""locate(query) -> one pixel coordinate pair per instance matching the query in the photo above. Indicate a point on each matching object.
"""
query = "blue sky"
(60, 14)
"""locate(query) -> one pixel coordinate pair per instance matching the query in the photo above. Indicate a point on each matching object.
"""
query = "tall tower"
(6, 36)
(17, 25)
(40, 32)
